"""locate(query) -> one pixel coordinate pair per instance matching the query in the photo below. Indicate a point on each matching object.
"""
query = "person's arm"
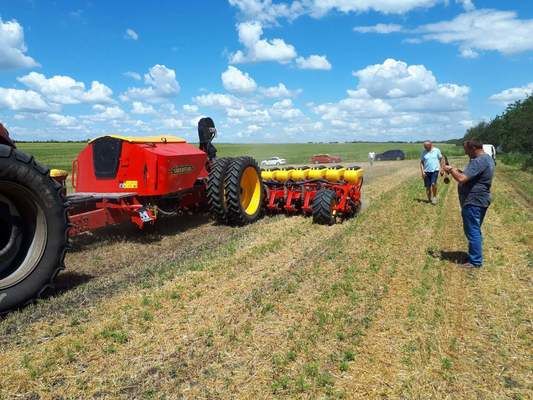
(422, 169)
(442, 163)
(459, 176)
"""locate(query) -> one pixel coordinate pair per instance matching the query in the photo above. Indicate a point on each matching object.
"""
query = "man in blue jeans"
(431, 161)
(474, 196)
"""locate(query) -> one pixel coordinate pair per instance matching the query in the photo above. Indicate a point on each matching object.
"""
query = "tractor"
(119, 179)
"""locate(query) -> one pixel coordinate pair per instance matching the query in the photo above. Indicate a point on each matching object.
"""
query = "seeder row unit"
(326, 194)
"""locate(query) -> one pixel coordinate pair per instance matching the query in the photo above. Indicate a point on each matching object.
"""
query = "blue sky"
(265, 70)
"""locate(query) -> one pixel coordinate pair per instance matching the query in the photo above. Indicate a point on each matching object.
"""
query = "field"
(373, 308)
(60, 155)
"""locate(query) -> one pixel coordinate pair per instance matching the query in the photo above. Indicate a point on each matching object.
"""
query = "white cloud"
(107, 113)
(512, 94)
(379, 28)
(483, 30)
(322, 7)
(216, 100)
(131, 34)
(397, 100)
(133, 75)
(22, 100)
(278, 91)
(66, 90)
(313, 62)
(62, 120)
(161, 83)
(12, 47)
(468, 5)
(257, 49)
(266, 11)
(468, 53)
(234, 80)
(284, 109)
(190, 108)
(172, 123)
(394, 79)
(141, 108)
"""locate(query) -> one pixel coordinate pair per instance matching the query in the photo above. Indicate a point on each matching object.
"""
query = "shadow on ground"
(129, 233)
(457, 257)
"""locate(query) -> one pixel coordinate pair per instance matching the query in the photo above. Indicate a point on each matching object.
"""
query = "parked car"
(390, 155)
(273, 161)
(325, 159)
(490, 150)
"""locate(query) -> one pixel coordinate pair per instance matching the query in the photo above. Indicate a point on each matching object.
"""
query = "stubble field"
(373, 308)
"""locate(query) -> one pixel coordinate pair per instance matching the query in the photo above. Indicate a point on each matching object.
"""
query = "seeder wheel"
(244, 193)
(323, 207)
(215, 189)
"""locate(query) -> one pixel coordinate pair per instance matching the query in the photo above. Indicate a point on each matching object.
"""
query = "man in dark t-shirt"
(474, 196)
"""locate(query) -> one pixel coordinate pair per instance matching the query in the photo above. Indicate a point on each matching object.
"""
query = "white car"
(273, 161)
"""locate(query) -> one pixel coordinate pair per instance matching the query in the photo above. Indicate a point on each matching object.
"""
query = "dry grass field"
(373, 308)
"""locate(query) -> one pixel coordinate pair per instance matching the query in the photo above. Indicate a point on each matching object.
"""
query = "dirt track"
(370, 308)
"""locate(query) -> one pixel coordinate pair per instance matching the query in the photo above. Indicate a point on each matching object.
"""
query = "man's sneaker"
(434, 200)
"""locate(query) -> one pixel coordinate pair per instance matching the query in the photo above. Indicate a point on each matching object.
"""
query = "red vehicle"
(325, 159)
(117, 179)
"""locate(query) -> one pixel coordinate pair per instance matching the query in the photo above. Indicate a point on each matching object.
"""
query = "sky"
(264, 70)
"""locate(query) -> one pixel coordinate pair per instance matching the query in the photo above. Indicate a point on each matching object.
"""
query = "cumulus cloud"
(22, 100)
(483, 30)
(216, 100)
(313, 62)
(379, 28)
(172, 123)
(278, 91)
(131, 34)
(12, 47)
(269, 12)
(141, 108)
(234, 80)
(105, 113)
(285, 109)
(512, 94)
(258, 49)
(190, 108)
(395, 79)
(63, 89)
(61, 120)
(394, 99)
(133, 75)
(160, 84)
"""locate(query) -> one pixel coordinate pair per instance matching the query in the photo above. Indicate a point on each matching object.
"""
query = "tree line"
(511, 132)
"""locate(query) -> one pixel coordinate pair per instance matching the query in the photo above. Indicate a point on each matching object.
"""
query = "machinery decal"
(128, 185)
(181, 169)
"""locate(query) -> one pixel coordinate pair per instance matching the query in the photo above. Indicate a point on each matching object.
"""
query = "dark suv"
(390, 155)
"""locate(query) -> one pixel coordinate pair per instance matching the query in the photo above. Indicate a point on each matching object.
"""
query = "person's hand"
(448, 168)
(441, 173)
(423, 175)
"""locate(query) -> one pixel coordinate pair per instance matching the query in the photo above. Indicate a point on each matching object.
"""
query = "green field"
(60, 155)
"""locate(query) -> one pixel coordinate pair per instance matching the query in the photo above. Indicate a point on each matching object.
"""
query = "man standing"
(431, 161)
(474, 196)
(371, 157)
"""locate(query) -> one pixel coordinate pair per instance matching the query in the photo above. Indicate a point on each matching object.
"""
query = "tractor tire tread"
(321, 207)
(18, 166)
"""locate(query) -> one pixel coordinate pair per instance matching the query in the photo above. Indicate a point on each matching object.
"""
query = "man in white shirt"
(431, 162)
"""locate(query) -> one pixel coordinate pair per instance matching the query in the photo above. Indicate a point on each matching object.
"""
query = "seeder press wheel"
(323, 207)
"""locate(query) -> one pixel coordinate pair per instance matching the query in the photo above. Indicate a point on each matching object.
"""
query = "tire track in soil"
(290, 226)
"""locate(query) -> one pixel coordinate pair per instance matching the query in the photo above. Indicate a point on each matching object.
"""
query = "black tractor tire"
(322, 206)
(244, 191)
(215, 189)
(33, 229)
